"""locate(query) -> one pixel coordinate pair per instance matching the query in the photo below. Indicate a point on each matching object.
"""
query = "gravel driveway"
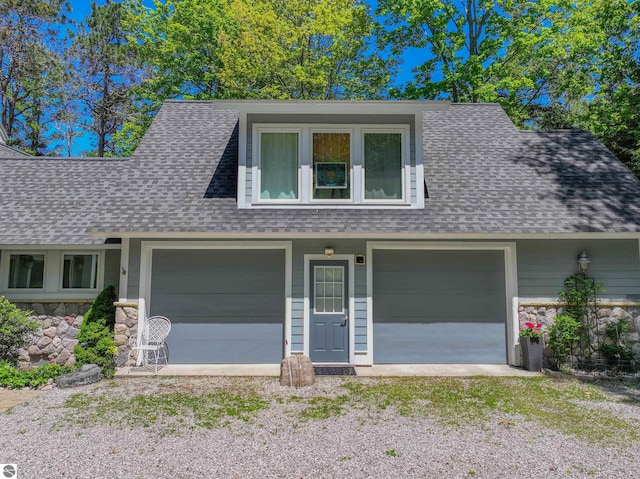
(253, 428)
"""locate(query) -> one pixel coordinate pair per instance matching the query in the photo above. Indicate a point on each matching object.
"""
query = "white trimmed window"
(80, 271)
(51, 274)
(331, 164)
(26, 271)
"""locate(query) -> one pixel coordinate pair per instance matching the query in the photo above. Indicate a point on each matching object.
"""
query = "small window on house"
(279, 166)
(26, 271)
(331, 166)
(383, 166)
(79, 271)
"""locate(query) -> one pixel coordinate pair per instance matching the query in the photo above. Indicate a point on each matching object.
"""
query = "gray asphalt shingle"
(483, 176)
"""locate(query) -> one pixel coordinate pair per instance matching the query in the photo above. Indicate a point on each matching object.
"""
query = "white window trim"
(4, 270)
(53, 270)
(256, 168)
(305, 164)
(99, 271)
(405, 161)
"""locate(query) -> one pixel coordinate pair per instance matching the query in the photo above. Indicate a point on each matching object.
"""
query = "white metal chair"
(152, 341)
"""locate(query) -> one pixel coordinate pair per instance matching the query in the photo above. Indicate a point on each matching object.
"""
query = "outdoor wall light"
(328, 251)
(583, 262)
(123, 271)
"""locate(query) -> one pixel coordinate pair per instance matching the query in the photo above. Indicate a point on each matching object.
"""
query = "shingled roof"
(483, 177)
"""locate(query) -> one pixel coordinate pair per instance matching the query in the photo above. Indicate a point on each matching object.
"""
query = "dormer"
(330, 154)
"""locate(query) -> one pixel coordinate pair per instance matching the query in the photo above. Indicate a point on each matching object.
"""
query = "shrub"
(103, 308)
(562, 335)
(11, 377)
(16, 329)
(95, 338)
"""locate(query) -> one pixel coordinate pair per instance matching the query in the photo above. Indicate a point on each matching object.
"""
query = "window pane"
(383, 166)
(79, 271)
(279, 166)
(26, 271)
(331, 166)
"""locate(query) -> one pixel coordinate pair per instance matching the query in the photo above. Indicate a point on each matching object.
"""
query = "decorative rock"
(72, 332)
(34, 350)
(38, 309)
(60, 310)
(23, 355)
(121, 329)
(63, 357)
(83, 308)
(69, 320)
(619, 313)
(87, 374)
(56, 342)
(71, 362)
(550, 316)
(71, 310)
(62, 328)
(120, 339)
(132, 317)
(78, 320)
(43, 342)
(122, 355)
(46, 322)
(603, 313)
(56, 321)
(120, 316)
(69, 343)
(50, 332)
(297, 371)
(48, 349)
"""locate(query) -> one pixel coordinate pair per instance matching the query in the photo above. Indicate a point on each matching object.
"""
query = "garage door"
(226, 306)
(439, 307)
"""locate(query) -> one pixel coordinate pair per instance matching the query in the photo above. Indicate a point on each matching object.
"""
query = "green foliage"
(615, 350)
(16, 329)
(96, 345)
(562, 336)
(11, 378)
(103, 308)
(580, 295)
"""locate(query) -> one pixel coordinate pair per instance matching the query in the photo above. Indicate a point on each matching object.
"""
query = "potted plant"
(531, 344)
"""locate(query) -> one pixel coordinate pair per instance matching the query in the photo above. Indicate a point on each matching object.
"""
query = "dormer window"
(331, 164)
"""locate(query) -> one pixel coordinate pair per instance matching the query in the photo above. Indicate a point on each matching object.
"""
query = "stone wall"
(55, 340)
(605, 313)
(125, 327)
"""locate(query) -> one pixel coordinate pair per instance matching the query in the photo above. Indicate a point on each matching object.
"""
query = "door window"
(329, 289)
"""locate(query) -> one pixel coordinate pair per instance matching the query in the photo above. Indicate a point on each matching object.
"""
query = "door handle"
(344, 323)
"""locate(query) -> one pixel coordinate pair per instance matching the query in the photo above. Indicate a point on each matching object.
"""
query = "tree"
(302, 49)
(206, 49)
(32, 69)
(108, 70)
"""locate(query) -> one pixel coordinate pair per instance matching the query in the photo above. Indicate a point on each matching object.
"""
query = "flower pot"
(532, 353)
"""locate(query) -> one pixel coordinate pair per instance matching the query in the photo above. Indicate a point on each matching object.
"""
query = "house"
(368, 232)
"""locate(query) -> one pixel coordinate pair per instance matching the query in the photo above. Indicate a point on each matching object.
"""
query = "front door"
(329, 312)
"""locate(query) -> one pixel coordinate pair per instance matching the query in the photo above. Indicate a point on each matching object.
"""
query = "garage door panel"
(192, 343)
(221, 305)
(179, 282)
(411, 343)
(226, 306)
(439, 306)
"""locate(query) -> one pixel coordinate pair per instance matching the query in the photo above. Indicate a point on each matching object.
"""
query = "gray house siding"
(112, 268)
(352, 247)
(543, 265)
(330, 120)
(226, 306)
(439, 307)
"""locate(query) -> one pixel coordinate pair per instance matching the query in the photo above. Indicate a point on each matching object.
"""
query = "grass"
(210, 410)
(567, 406)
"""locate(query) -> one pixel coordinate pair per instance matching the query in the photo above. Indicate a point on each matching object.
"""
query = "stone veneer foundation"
(125, 327)
(55, 340)
(605, 313)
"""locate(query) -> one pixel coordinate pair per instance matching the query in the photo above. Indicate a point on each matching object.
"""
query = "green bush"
(16, 329)
(103, 308)
(11, 377)
(95, 338)
(562, 335)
